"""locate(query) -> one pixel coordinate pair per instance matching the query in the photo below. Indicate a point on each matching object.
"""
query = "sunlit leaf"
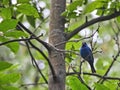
(93, 6)
(3, 39)
(4, 65)
(13, 46)
(5, 87)
(74, 5)
(74, 25)
(71, 45)
(111, 84)
(75, 84)
(118, 19)
(23, 1)
(99, 64)
(27, 9)
(8, 24)
(5, 2)
(15, 34)
(6, 13)
(9, 78)
(101, 87)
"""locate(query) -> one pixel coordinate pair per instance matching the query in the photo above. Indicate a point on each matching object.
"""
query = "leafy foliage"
(6, 77)
(75, 84)
(27, 9)
(7, 25)
(101, 87)
(4, 65)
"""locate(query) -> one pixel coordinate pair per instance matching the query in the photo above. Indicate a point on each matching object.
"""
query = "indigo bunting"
(86, 54)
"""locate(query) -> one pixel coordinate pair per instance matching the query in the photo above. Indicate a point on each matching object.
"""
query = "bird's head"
(84, 44)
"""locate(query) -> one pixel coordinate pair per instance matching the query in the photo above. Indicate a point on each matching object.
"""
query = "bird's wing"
(89, 57)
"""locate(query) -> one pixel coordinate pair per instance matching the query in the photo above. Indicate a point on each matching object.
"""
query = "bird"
(87, 55)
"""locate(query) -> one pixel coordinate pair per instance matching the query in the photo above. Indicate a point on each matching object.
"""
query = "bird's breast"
(84, 52)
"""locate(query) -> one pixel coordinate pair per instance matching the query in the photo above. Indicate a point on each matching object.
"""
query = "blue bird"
(87, 55)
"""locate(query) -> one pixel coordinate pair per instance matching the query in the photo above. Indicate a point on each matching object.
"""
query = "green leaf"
(9, 78)
(115, 6)
(15, 34)
(72, 15)
(64, 13)
(69, 13)
(70, 45)
(6, 13)
(75, 83)
(93, 6)
(40, 56)
(118, 19)
(111, 84)
(74, 5)
(101, 87)
(5, 87)
(13, 46)
(4, 65)
(6, 2)
(74, 25)
(85, 2)
(3, 39)
(31, 20)
(23, 1)
(8, 24)
(27, 9)
(99, 64)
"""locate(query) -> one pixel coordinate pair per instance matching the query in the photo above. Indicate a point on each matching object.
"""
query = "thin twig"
(91, 22)
(114, 59)
(41, 52)
(33, 60)
(77, 40)
(45, 44)
(81, 65)
(80, 78)
(94, 74)
(17, 40)
(31, 84)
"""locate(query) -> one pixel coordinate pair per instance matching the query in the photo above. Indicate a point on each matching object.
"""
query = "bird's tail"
(92, 68)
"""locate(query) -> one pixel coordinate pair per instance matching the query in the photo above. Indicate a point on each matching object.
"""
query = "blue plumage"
(86, 54)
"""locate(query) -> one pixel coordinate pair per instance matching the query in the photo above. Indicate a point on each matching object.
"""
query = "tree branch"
(33, 60)
(80, 78)
(91, 22)
(77, 40)
(31, 84)
(46, 45)
(114, 59)
(94, 74)
(16, 40)
(51, 67)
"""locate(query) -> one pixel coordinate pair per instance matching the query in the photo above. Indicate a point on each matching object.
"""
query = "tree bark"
(56, 35)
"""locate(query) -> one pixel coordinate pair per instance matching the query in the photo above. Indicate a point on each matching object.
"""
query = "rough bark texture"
(56, 35)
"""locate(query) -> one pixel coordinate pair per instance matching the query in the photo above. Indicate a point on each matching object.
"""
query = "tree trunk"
(56, 35)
